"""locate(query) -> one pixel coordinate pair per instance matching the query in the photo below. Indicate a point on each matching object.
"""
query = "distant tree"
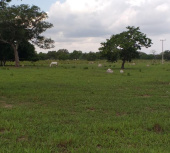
(98, 55)
(42, 56)
(84, 56)
(63, 54)
(91, 56)
(75, 55)
(125, 45)
(167, 55)
(143, 55)
(52, 55)
(23, 23)
(154, 53)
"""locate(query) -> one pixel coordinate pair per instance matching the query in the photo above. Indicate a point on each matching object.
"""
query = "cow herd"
(99, 65)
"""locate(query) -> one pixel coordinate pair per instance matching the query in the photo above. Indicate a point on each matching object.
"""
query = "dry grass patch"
(121, 113)
(5, 105)
(2, 130)
(146, 96)
(157, 128)
(22, 138)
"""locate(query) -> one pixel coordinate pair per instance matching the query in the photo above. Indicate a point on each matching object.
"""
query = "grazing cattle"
(121, 71)
(99, 65)
(109, 71)
(53, 63)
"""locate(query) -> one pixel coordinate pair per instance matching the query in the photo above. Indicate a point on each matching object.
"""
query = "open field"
(78, 107)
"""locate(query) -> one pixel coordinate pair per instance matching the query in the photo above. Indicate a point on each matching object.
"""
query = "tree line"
(27, 52)
(63, 54)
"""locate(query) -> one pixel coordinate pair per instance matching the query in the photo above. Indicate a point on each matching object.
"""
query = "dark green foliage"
(26, 52)
(75, 55)
(42, 56)
(146, 56)
(24, 23)
(50, 55)
(91, 56)
(62, 54)
(125, 45)
(6, 53)
(167, 55)
(3, 3)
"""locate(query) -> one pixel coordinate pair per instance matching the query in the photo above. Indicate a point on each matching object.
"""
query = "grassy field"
(78, 107)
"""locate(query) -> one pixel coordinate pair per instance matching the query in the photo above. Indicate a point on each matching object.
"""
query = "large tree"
(26, 52)
(3, 3)
(125, 45)
(24, 23)
(6, 53)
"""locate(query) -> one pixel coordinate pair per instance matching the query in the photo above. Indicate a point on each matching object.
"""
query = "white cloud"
(136, 2)
(162, 8)
(84, 24)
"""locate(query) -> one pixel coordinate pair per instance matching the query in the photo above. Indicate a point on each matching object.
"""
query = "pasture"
(78, 107)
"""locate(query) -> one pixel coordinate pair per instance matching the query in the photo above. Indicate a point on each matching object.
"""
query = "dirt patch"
(99, 146)
(9, 106)
(150, 109)
(64, 144)
(146, 96)
(2, 130)
(3, 104)
(22, 138)
(157, 128)
(164, 96)
(91, 109)
(121, 113)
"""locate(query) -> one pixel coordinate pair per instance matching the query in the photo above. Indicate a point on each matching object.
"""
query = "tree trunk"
(4, 62)
(123, 63)
(15, 48)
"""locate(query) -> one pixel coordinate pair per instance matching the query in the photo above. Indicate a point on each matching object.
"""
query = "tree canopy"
(26, 52)
(167, 55)
(24, 23)
(125, 45)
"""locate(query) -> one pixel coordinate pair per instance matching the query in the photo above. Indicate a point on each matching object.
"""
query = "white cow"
(99, 65)
(53, 63)
(121, 71)
(109, 71)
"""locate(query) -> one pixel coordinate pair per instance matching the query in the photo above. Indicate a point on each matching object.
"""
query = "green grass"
(78, 107)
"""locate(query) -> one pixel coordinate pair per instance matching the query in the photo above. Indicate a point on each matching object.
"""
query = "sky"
(84, 24)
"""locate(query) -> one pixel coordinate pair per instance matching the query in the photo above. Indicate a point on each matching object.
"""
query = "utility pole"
(163, 49)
